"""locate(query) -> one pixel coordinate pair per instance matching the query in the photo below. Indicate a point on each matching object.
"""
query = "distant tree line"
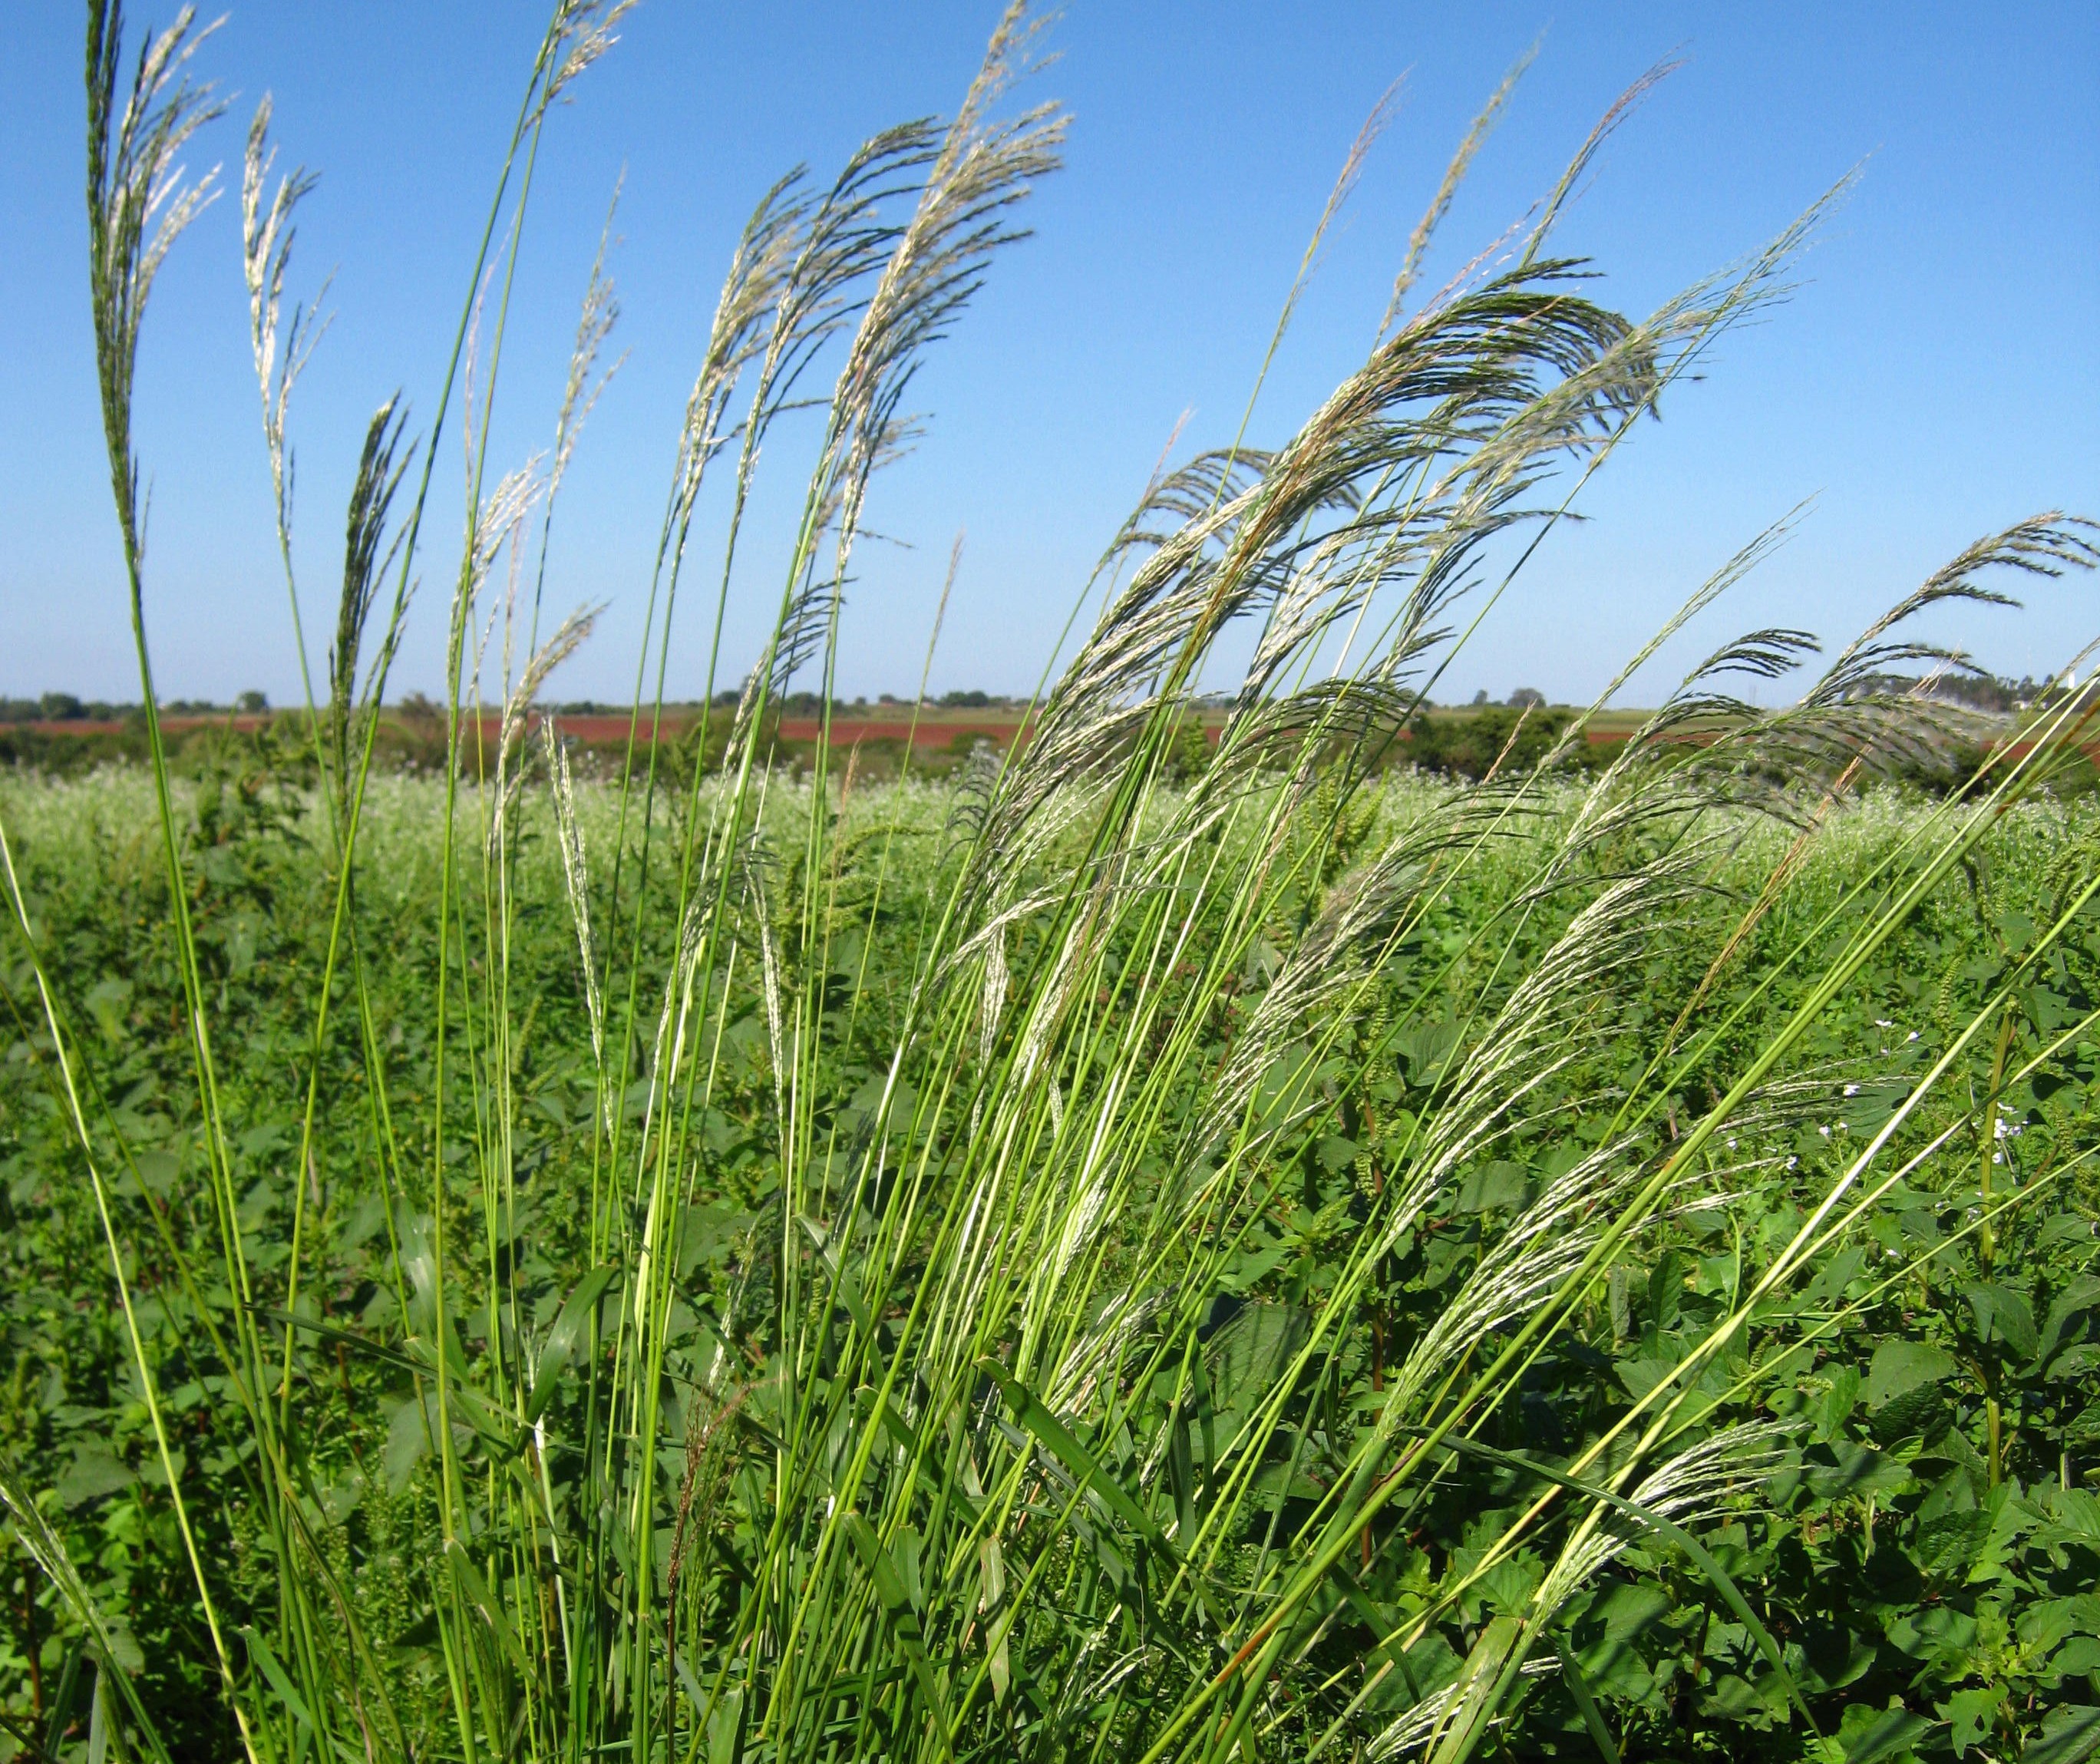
(64, 707)
(806, 703)
(1980, 691)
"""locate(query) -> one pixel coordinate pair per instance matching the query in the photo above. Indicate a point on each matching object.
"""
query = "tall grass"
(973, 1446)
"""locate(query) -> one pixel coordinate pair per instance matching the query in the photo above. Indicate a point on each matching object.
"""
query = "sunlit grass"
(1080, 1260)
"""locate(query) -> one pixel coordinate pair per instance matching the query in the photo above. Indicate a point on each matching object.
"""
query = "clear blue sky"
(1937, 376)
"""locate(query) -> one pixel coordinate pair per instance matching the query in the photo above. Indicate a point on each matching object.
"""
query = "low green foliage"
(1889, 1557)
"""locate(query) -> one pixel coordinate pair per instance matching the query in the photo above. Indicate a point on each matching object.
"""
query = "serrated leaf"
(1900, 1366)
(1860, 1471)
(93, 1474)
(2068, 1734)
(1970, 1715)
(1944, 1546)
(2080, 1296)
(1868, 1735)
(2003, 1318)
(1252, 1351)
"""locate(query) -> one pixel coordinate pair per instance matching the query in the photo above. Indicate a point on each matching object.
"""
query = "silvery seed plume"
(497, 519)
(1421, 1724)
(579, 391)
(575, 879)
(743, 329)
(1702, 1480)
(138, 205)
(1699, 1482)
(2044, 545)
(1454, 175)
(579, 31)
(517, 707)
(934, 264)
(982, 169)
(267, 233)
(1478, 369)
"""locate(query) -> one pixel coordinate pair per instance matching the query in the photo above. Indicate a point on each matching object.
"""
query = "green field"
(1885, 1451)
(1277, 1223)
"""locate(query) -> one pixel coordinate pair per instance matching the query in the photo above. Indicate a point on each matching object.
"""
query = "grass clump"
(1150, 1247)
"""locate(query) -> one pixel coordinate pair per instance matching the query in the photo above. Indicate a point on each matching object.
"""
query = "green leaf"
(1868, 1109)
(2080, 1295)
(723, 1726)
(1971, 1714)
(364, 1344)
(1337, 1153)
(1592, 1717)
(407, 1438)
(2003, 1318)
(1838, 1401)
(888, 1583)
(1945, 1545)
(476, 1589)
(93, 1474)
(259, 1650)
(1899, 1366)
(1499, 1185)
(890, 1589)
(560, 1346)
(1252, 1351)
(1031, 1413)
(1479, 1689)
(1869, 1735)
(2068, 1734)
(2075, 1518)
(1860, 1471)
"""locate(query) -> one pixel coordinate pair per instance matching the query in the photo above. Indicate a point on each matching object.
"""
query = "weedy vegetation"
(1140, 1249)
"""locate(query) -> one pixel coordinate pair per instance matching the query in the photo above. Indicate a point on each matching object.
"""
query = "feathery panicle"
(1374, 124)
(581, 31)
(138, 204)
(1623, 107)
(2044, 545)
(1454, 175)
(746, 328)
(266, 237)
(368, 552)
(579, 391)
(519, 705)
(982, 169)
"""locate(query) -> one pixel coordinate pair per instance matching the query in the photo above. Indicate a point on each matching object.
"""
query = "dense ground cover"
(1901, 1547)
(1181, 1240)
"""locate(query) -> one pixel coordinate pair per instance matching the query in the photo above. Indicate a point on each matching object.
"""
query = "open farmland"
(1178, 1222)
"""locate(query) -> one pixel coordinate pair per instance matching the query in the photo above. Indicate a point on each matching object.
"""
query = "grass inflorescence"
(1181, 1238)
